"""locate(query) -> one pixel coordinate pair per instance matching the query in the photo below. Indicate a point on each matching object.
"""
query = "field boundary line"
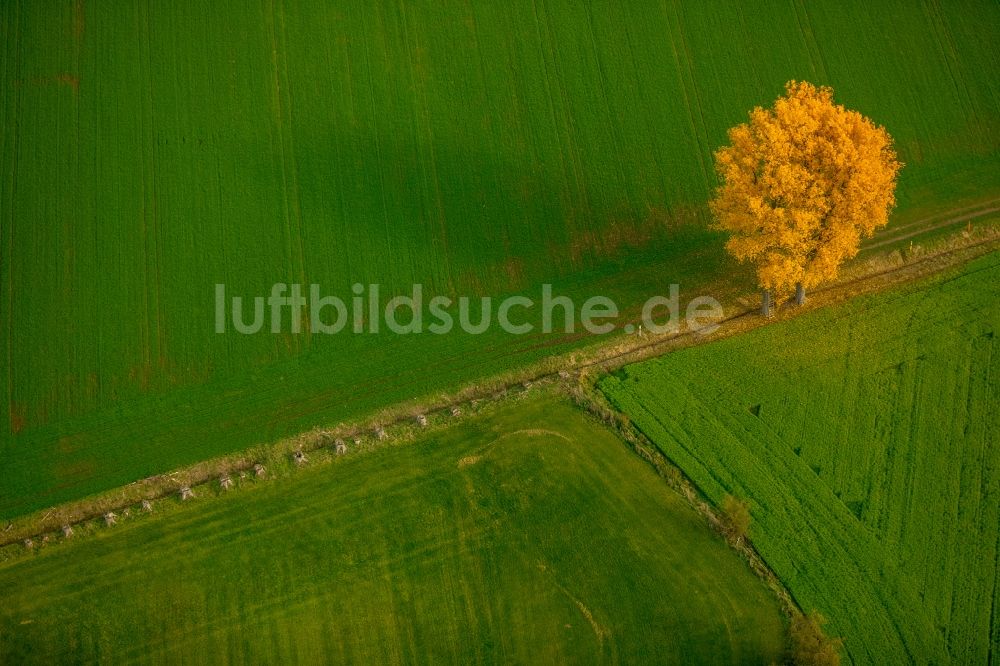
(373, 430)
(596, 404)
(835, 293)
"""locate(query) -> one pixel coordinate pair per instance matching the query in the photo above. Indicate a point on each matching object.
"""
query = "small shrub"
(810, 645)
(735, 518)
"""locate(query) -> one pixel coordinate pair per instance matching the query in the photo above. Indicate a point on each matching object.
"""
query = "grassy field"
(865, 437)
(151, 150)
(526, 535)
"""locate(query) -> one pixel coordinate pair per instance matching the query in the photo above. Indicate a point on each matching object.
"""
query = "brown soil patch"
(623, 233)
(69, 80)
(17, 418)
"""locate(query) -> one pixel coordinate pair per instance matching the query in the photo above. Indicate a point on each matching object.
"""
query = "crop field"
(524, 535)
(152, 149)
(865, 437)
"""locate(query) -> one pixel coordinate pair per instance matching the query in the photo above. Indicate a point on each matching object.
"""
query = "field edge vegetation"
(873, 567)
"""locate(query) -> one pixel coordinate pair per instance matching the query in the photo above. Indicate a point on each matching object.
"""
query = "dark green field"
(529, 535)
(151, 149)
(865, 437)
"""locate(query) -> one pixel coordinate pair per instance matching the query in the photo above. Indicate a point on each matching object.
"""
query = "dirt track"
(748, 318)
(607, 356)
(893, 236)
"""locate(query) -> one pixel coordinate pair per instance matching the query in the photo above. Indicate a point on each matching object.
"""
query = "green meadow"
(865, 438)
(151, 149)
(525, 534)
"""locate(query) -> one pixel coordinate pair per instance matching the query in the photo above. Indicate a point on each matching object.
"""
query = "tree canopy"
(802, 184)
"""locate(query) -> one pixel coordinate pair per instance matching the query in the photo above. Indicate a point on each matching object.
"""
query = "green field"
(865, 437)
(151, 149)
(526, 535)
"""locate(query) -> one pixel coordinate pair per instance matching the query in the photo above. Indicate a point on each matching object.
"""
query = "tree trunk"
(800, 294)
(765, 303)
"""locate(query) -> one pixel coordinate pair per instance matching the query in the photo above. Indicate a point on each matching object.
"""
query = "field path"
(834, 293)
(952, 220)
(602, 357)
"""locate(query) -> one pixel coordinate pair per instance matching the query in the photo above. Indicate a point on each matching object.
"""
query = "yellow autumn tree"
(802, 184)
